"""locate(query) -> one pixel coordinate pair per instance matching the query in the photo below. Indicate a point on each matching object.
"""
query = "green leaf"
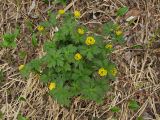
(108, 28)
(89, 56)
(22, 54)
(119, 39)
(61, 94)
(22, 98)
(35, 65)
(48, 75)
(26, 71)
(122, 11)
(115, 109)
(34, 40)
(44, 78)
(96, 50)
(52, 19)
(140, 118)
(46, 24)
(67, 67)
(9, 39)
(20, 117)
(98, 62)
(133, 105)
(59, 62)
(1, 115)
(17, 32)
(30, 25)
(137, 46)
(51, 63)
(49, 46)
(94, 90)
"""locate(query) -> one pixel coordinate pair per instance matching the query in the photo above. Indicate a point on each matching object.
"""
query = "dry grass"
(138, 78)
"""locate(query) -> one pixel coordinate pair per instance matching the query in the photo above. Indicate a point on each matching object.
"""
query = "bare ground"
(138, 77)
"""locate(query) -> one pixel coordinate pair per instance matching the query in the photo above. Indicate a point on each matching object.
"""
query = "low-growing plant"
(20, 117)
(115, 109)
(76, 61)
(34, 40)
(22, 54)
(122, 11)
(133, 105)
(9, 39)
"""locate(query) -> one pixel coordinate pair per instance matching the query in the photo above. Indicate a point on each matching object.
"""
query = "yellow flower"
(40, 28)
(20, 67)
(109, 46)
(77, 14)
(114, 71)
(90, 41)
(80, 31)
(52, 86)
(118, 32)
(102, 72)
(61, 12)
(78, 56)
